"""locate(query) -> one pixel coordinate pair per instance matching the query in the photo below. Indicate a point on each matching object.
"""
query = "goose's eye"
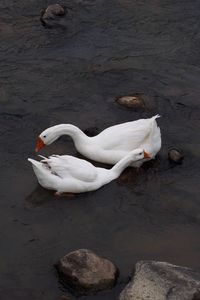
(140, 153)
(44, 136)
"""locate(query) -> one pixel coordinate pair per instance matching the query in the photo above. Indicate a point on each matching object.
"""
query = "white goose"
(68, 174)
(113, 143)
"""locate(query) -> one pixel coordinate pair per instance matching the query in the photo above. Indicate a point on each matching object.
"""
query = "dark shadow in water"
(39, 197)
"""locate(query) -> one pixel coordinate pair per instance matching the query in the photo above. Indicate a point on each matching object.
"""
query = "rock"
(175, 156)
(134, 101)
(52, 16)
(86, 272)
(162, 281)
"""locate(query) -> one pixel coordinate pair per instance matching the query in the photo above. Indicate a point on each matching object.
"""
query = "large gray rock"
(162, 281)
(86, 272)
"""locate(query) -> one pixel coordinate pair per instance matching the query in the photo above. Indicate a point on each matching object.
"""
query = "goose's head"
(139, 154)
(47, 137)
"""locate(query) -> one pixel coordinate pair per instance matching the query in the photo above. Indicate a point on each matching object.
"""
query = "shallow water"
(109, 48)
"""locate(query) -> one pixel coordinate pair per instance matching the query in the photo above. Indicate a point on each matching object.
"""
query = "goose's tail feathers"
(156, 117)
(45, 177)
(34, 162)
(155, 134)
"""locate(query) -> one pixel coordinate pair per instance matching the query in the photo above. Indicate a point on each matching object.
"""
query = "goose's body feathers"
(73, 175)
(70, 166)
(113, 143)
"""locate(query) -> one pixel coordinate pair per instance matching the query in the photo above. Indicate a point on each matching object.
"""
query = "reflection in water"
(40, 196)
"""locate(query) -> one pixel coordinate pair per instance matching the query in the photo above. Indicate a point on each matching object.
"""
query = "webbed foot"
(58, 194)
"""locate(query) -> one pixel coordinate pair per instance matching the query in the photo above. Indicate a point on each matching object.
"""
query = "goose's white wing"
(69, 166)
(126, 136)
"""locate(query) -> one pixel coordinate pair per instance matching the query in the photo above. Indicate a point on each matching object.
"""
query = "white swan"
(113, 143)
(68, 174)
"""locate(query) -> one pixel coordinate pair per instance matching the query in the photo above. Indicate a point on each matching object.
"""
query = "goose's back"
(126, 136)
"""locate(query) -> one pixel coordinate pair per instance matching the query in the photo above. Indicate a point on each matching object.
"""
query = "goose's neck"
(121, 165)
(74, 132)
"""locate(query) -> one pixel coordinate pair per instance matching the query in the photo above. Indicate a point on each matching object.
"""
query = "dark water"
(110, 48)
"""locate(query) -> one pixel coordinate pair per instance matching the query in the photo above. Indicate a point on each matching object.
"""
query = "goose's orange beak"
(39, 144)
(146, 155)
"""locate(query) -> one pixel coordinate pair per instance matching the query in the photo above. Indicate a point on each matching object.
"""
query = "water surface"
(109, 48)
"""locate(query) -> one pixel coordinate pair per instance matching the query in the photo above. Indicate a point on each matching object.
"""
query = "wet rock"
(86, 272)
(162, 281)
(53, 15)
(175, 156)
(132, 101)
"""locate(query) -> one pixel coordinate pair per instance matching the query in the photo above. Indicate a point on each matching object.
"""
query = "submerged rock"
(87, 272)
(175, 156)
(52, 16)
(134, 101)
(162, 281)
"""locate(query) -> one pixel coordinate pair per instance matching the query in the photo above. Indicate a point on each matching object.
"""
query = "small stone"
(86, 272)
(55, 9)
(134, 101)
(175, 156)
(52, 15)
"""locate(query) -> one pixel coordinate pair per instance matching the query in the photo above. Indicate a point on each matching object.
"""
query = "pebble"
(52, 15)
(132, 101)
(175, 156)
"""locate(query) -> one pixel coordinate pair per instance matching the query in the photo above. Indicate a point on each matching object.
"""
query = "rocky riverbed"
(74, 74)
